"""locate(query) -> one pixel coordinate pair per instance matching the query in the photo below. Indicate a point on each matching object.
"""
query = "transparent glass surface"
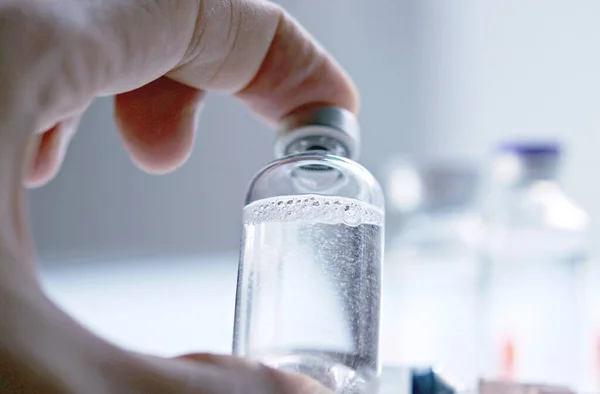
(432, 278)
(309, 282)
(536, 257)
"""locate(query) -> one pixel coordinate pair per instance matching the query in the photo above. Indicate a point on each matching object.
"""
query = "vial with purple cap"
(535, 256)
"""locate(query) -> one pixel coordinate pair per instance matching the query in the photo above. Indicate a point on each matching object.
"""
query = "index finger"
(257, 50)
(251, 48)
(77, 50)
(297, 72)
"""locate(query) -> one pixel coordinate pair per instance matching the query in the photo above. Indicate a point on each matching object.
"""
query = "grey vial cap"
(328, 128)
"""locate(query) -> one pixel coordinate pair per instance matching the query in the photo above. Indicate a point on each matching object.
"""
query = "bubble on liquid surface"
(314, 208)
(352, 216)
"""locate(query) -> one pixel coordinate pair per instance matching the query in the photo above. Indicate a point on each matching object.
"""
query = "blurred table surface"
(163, 306)
(172, 306)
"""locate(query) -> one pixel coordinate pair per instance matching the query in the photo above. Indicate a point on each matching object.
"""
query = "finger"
(274, 70)
(16, 155)
(297, 73)
(273, 381)
(208, 44)
(98, 47)
(292, 71)
(51, 150)
(208, 374)
(101, 47)
(157, 123)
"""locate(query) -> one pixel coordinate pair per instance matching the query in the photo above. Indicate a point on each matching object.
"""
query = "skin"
(158, 58)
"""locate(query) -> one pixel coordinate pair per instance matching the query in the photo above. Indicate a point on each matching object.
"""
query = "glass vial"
(535, 255)
(309, 281)
(433, 274)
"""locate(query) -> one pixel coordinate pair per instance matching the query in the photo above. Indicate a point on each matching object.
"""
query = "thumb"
(237, 375)
(217, 374)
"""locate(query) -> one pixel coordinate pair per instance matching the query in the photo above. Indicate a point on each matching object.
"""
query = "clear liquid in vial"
(309, 289)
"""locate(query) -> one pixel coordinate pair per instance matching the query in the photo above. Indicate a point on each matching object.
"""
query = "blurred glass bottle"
(432, 273)
(309, 282)
(591, 337)
(535, 250)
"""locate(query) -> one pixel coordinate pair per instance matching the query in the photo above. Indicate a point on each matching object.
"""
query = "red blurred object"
(508, 359)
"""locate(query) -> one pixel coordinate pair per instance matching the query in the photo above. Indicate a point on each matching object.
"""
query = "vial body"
(309, 282)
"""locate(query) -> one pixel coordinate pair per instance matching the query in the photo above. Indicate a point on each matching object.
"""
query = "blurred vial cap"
(432, 184)
(515, 161)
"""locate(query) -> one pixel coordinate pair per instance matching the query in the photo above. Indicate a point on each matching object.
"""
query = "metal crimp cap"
(328, 128)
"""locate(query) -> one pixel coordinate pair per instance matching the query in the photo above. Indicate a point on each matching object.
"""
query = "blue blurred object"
(427, 381)
(413, 380)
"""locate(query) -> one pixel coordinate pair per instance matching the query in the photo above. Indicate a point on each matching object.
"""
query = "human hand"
(159, 58)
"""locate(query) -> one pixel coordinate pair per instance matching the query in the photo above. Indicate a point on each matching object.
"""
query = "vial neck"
(332, 130)
(316, 143)
(447, 189)
(524, 171)
(535, 170)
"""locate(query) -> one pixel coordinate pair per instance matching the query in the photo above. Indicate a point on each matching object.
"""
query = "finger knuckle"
(26, 39)
(35, 43)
